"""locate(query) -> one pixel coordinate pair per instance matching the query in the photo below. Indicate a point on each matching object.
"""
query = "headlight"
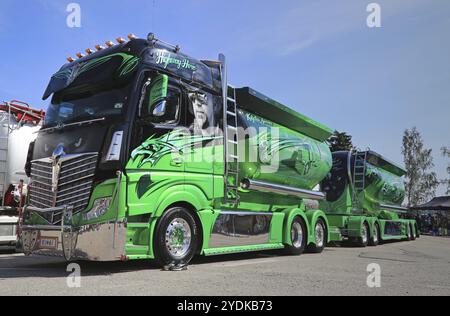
(99, 209)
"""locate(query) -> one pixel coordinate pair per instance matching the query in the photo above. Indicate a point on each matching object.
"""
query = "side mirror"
(156, 103)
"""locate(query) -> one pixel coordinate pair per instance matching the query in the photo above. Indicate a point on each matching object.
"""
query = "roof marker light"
(99, 47)
(70, 59)
(89, 51)
(120, 40)
(132, 37)
(109, 43)
(80, 55)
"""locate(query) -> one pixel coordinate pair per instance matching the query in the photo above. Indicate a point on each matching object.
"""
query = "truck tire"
(176, 238)
(321, 237)
(299, 237)
(376, 236)
(363, 241)
(408, 233)
(413, 232)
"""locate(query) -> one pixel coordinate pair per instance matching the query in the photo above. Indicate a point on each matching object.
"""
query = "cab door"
(157, 163)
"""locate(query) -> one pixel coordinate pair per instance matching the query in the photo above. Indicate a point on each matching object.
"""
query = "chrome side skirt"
(255, 185)
(234, 229)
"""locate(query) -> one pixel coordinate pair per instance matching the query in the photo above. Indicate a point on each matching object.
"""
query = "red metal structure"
(23, 112)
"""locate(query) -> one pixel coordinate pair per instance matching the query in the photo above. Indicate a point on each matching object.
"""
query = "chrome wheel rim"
(320, 235)
(364, 234)
(178, 238)
(297, 235)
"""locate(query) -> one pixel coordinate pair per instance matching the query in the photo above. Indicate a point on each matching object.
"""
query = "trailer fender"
(313, 216)
(289, 217)
(355, 224)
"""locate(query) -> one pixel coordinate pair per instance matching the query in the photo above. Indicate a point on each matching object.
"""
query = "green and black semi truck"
(365, 192)
(147, 153)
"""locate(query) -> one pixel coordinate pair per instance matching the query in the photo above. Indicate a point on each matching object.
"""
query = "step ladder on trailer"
(230, 133)
(359, 181)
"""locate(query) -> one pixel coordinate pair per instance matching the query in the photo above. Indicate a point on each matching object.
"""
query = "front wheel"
(298, 237)
(176, 238)
(320, 236)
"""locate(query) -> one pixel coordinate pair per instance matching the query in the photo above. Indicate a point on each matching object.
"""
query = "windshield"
(69, 107)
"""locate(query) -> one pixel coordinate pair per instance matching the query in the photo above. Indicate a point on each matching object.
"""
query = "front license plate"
(48, 243)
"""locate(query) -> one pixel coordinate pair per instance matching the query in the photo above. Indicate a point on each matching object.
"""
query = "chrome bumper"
(97, 242)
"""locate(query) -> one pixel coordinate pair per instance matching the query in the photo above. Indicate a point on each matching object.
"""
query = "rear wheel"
(298, 237)
(176, 238)
(408, 233)
(363, 241)
(375, 239)
(413, 232)
(320, 236)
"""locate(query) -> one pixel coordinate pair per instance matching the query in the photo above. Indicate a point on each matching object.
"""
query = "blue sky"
(318, 57)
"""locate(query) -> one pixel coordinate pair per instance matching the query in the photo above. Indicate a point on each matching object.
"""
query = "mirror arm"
(143, 93)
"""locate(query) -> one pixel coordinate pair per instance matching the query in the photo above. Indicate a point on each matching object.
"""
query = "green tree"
(421, 183)
(340, 142)
(446, 153)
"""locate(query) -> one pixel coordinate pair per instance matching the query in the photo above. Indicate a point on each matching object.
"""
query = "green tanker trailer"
(365, 192)
(180, 164)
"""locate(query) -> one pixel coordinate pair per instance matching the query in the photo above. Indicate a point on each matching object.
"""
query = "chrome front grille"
(66, 180)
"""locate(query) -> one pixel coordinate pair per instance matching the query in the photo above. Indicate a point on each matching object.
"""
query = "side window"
(202, 116)
(162, 102)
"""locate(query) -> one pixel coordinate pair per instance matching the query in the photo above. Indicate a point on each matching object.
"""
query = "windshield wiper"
(61, 126)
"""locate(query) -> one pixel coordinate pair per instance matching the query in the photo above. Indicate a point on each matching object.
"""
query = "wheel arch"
(289, 217)
(313, 217)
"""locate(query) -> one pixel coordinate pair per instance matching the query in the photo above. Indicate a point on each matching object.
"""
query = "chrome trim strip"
(71, 124)
(79, 161)
(48, 210)
(64, 158)
(33, 169)
(75, 187)
(63, 171)
(76, 174)
(45, 227)
(75, 197)
(33, 200)
(255, 185)
(76, 180)
(245, 213)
